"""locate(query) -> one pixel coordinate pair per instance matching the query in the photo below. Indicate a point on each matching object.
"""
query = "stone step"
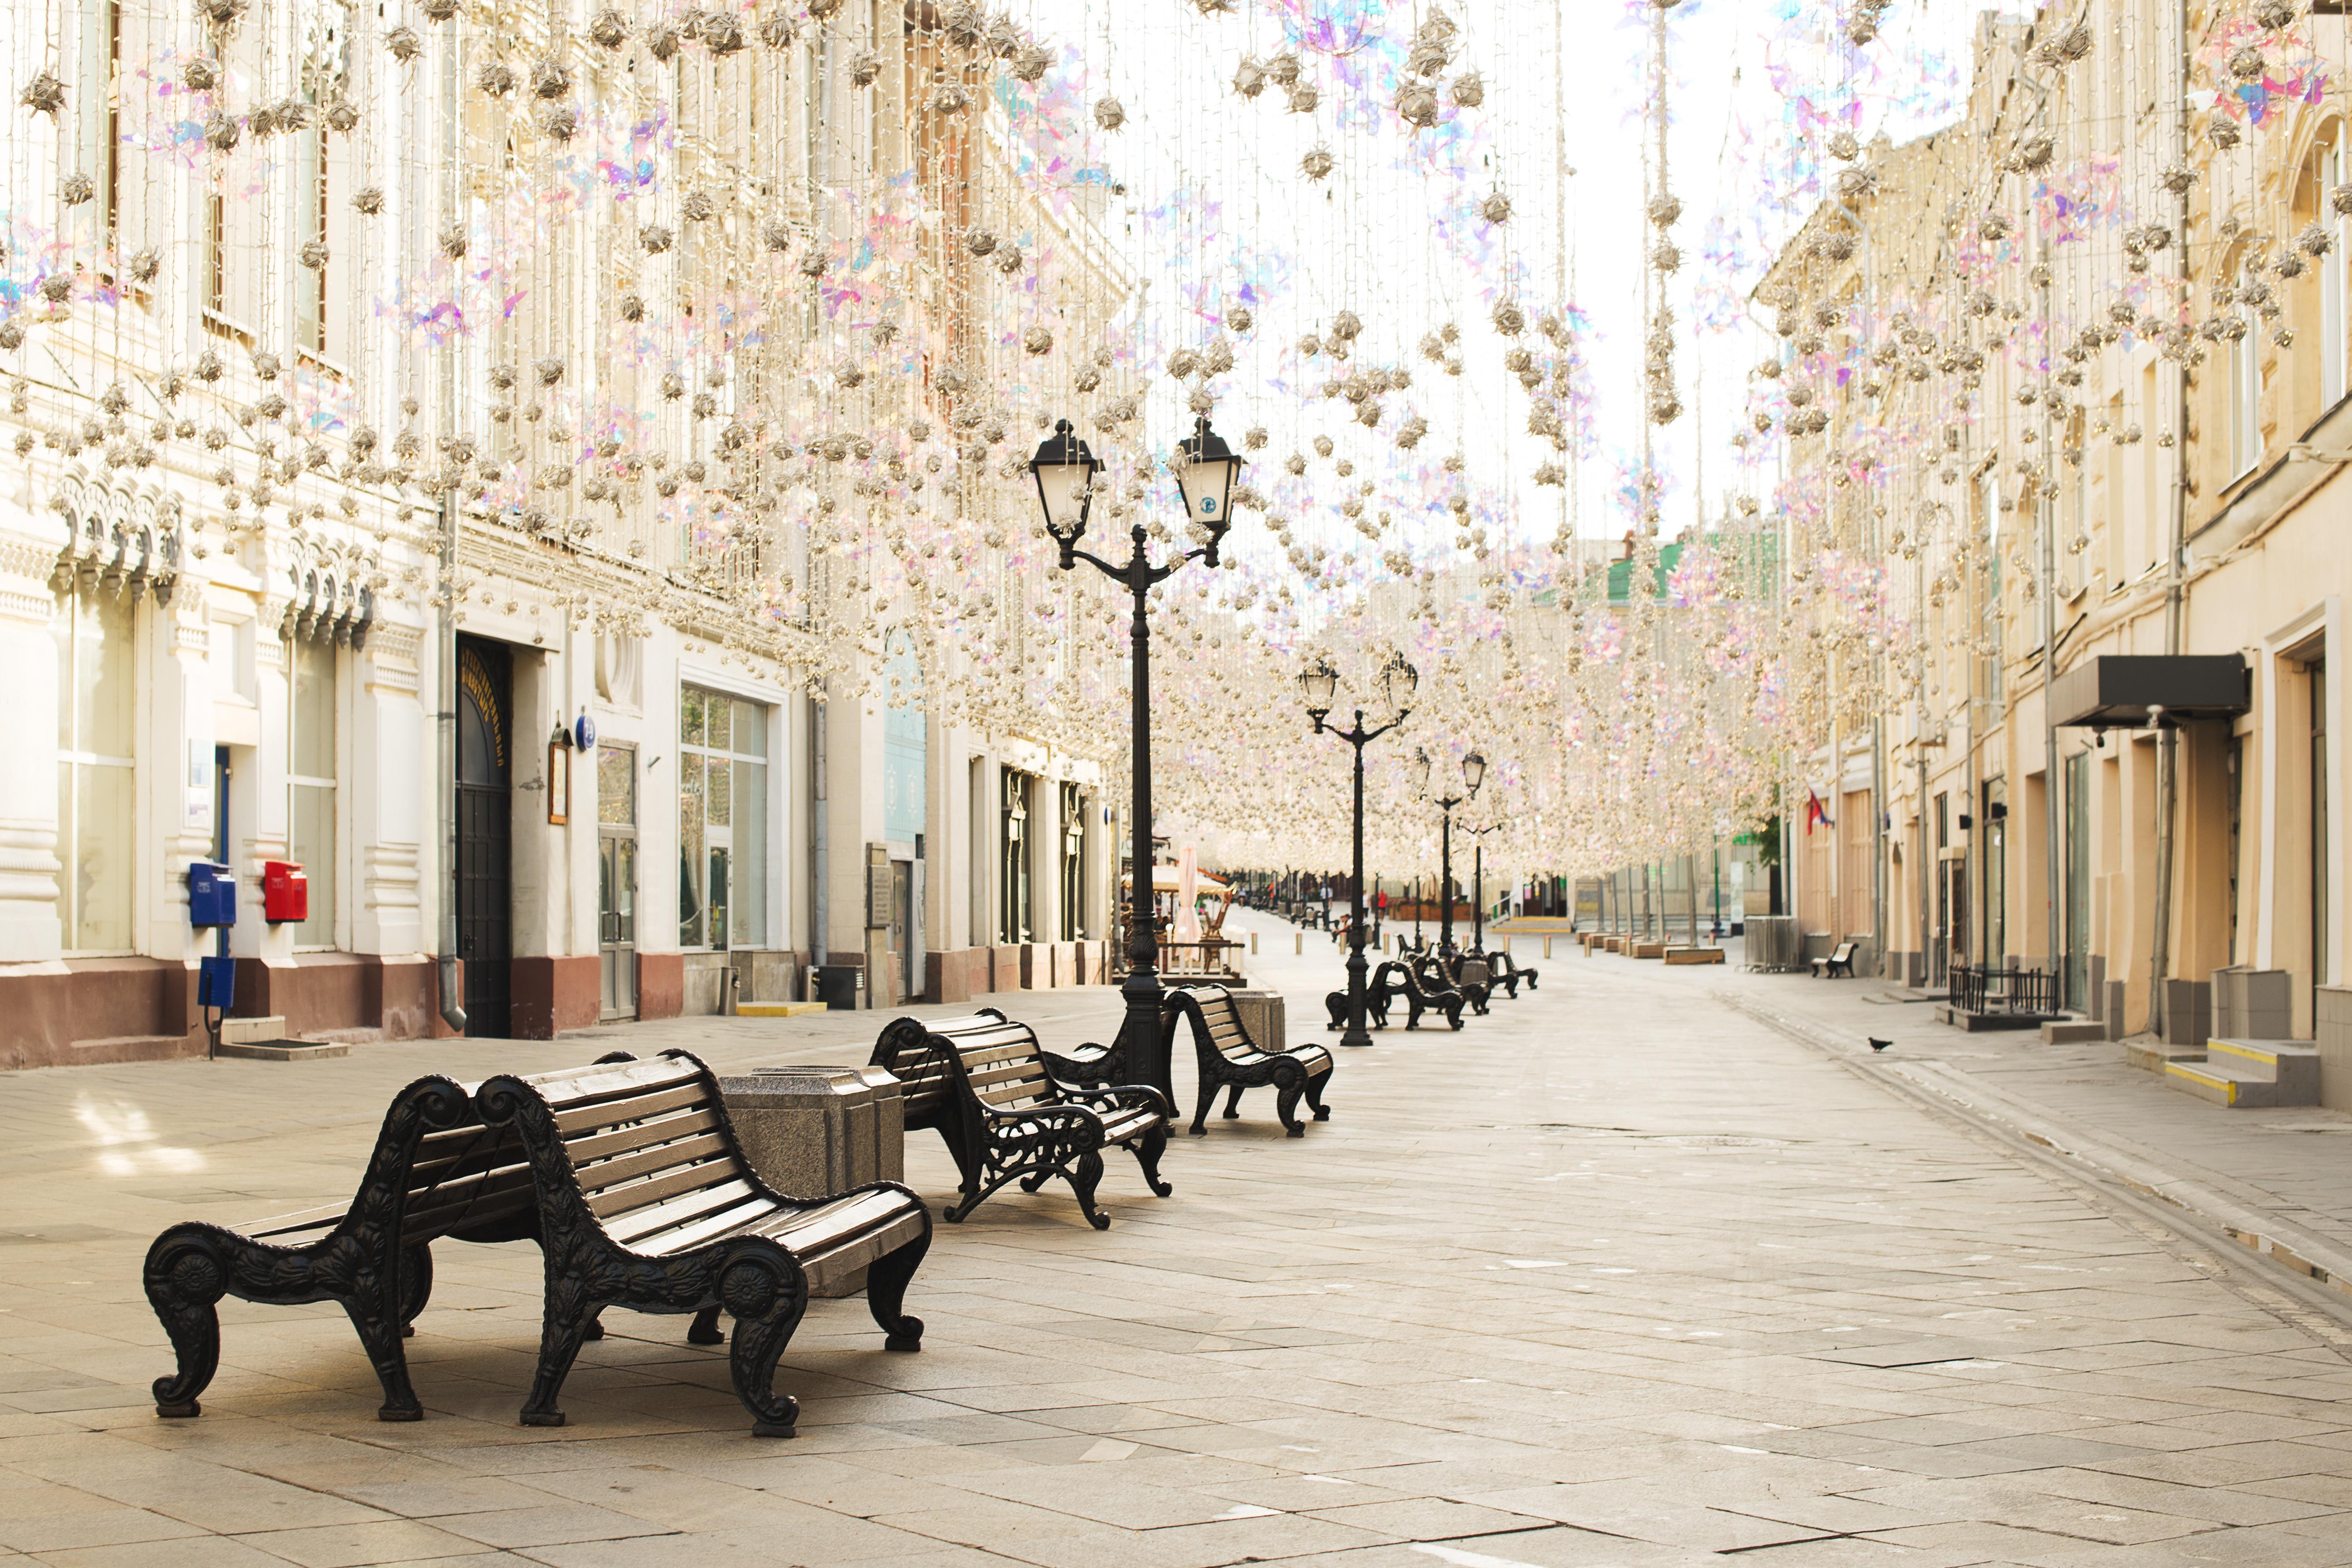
(285, 1050)
(2151, 1055)
(2072, 1031)
(777, 1009)
(2292, 1065)
(246, 1031)
(2251, 1074)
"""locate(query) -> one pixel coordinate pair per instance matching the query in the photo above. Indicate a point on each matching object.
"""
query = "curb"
(2319, 1261)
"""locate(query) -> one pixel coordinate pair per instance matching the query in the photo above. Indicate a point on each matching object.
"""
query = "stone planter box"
(812, 1131)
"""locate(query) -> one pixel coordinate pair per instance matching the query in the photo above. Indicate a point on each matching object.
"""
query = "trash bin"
(836, 986)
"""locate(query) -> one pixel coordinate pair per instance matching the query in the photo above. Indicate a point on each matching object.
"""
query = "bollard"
(1297, 943)
(1547, 947)
(1252, 944)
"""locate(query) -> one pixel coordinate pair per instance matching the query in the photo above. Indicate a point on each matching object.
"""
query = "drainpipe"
(452, 1011)
(2046, 515)
(820, 936)
(2167, 739)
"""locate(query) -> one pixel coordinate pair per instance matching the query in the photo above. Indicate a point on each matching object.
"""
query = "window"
(310, 283)
(95, 714)
(310, 785)
(2246, 389)
(2336, 168)
(722, 821)
(1073, 864)
(96, 108)
(1013, 924)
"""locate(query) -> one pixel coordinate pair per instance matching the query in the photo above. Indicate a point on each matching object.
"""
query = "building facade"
(235, 617)
(2080, 362)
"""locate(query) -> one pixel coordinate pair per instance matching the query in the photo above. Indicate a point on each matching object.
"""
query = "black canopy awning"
(2119, 691)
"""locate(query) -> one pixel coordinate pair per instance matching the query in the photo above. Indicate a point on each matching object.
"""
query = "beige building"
(2050, 442)
(252, 471)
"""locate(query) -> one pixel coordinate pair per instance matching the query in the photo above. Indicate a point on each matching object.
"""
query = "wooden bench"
(1840, 961)
(1507, 972)
(1466, 975)
(1377, 995)
(1008, 1110)
(644, 1201)
(368, 1255)
(1230, 1060)
(1424, 991)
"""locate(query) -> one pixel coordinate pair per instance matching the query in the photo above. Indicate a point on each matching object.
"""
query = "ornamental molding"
(119, 535)
(38, 609)
(397, 646)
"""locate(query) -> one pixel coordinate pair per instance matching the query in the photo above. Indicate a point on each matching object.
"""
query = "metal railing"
(1975, 990)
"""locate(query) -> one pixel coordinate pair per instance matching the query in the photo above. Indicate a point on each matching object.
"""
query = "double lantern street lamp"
(1474, 774)
(1478, 886)
(1206, 470)
(1321, 684)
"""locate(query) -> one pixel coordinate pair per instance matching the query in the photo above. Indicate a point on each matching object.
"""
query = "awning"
(1163, 880)
(2118, 691)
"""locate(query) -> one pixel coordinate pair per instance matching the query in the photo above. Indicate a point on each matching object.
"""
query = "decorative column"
(29, 760)
(383, 829)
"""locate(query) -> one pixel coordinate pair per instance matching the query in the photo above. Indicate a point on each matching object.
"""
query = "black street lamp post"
(1478, 885)
(1321, 683)
(1205, 471)
(1474, 772)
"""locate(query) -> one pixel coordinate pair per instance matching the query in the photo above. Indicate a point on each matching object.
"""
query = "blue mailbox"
(212, 894)
(216, 983)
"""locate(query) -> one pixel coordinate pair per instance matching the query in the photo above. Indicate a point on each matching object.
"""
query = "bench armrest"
(1122, 1097)
(1090, 1064)
(1080, 1125)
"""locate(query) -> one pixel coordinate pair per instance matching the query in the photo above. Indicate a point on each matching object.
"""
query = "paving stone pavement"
(2294, 1162)
(1616, 1275)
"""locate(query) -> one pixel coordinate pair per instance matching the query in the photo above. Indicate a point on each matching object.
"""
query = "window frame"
(73, 758)
(741, 867)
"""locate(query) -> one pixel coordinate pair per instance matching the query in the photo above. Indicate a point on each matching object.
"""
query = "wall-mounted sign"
(559, 784)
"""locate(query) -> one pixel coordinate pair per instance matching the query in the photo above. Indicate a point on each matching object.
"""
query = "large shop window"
(310, 786)
(722, 821)
(1074, 863)
(95, 714)
(1013, 926)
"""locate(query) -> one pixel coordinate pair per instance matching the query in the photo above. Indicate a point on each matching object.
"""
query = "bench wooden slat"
(614, 1113)
(641, 1134)
(819, 1230)
(684, 1230)
(705, 1165)
(653, 1219)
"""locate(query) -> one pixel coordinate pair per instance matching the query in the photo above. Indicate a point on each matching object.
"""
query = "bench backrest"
(1215, 1016)
(649, 1147)
(926, 1078)
(1843, 954)
(999, 1063)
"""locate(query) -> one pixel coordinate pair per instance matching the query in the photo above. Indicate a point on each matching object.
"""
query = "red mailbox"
(285, 892)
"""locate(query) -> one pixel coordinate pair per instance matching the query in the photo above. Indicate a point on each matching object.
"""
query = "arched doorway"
(485, 833)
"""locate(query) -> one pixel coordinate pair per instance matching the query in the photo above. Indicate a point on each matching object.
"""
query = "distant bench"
(1008, 1110)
